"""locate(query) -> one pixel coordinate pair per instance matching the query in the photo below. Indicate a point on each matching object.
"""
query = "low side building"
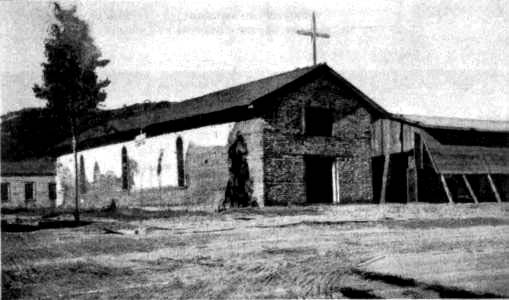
(29, 183)
(437, 159)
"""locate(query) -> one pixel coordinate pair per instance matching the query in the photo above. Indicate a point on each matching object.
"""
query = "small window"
(6, 191)
(29, 191)
(318, 121)
(52, 191)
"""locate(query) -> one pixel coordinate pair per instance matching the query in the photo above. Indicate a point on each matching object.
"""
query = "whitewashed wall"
(109, 157)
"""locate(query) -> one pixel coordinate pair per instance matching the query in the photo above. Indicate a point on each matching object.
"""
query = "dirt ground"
(352, 251)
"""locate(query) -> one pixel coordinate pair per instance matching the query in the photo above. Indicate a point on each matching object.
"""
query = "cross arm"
(310, 33)
(303, 32)
(323, 35)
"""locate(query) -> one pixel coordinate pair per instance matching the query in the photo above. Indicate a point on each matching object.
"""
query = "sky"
(443, 58)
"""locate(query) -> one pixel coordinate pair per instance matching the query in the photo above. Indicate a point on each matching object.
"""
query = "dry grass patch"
(50, 280)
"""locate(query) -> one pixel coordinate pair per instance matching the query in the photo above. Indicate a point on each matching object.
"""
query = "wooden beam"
(335, 182)
(384, 178)
(412, 185)
(386, 138)
(469, 187)
(446, 188)
(494, 188)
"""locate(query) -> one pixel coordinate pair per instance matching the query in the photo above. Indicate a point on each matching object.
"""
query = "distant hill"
(33, 133)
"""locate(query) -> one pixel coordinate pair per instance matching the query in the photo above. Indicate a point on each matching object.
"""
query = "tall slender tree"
(97, 173)
(83, 176)
(160, 169)
(70, 86)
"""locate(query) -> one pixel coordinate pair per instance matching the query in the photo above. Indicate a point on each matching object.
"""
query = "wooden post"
(494, 188)
(446, 188)
(469, 187)
(386, 144)
(335, 182)
(384, 178)
(76, 179)
(412, 192)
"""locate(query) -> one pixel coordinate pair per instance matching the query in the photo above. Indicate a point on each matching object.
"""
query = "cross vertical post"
(313, 37)
(313, 34)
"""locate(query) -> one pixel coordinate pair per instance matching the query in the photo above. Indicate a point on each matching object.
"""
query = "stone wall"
(355, 172)
(286, 145)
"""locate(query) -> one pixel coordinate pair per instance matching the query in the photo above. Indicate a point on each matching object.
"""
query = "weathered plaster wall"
(17, 191)
(202, 151)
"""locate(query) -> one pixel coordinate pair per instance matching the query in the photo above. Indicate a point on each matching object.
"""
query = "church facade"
(301, 137)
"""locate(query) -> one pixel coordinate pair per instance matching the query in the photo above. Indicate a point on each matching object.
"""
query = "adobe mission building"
(300, 137)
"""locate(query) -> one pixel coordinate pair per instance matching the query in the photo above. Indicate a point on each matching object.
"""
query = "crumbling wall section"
(252, 133)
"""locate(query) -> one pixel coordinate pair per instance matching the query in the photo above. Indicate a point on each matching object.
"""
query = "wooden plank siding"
(376, 139)
(398, 137)
(408, 137)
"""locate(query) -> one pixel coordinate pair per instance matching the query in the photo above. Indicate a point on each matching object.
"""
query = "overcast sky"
(446, 58)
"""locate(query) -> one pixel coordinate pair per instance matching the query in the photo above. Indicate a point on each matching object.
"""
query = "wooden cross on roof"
(313, 34)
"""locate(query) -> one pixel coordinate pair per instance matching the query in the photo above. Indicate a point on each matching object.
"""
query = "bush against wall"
(239, 189)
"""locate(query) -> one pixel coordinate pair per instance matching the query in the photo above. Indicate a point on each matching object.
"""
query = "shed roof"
(35, 167)
(452, 159)
(455, 123)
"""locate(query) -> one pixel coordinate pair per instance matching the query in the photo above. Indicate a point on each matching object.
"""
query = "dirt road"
(342, 252)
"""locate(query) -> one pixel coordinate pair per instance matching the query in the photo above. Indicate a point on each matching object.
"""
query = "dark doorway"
(318, 179)
(6, 191)
(52, 192)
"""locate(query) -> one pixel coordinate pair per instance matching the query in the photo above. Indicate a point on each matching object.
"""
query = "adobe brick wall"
(206, 171)
(285, 145)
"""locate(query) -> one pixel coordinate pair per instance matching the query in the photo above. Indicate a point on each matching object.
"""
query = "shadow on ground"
(20, 227)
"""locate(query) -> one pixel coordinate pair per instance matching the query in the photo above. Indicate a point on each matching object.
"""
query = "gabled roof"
(238, 96)
(234, 101)
(241, 96)
(455, 123)
(34, 167)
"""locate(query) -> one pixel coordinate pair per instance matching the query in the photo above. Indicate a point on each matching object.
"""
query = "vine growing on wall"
(239, 189)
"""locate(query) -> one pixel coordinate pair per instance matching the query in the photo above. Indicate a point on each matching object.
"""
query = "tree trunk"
(76, 177)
